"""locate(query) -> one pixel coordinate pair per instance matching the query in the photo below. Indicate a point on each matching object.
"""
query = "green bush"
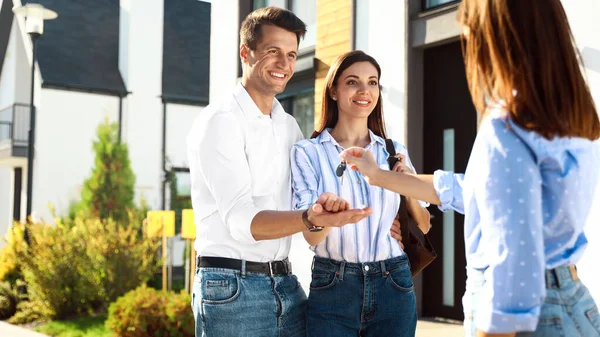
(8, 300)
(81, 267)
(10, 270)
(150, 312)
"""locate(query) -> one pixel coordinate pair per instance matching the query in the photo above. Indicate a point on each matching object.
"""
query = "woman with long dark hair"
(361, 280)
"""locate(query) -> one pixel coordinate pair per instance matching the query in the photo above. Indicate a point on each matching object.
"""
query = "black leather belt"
(269, 268)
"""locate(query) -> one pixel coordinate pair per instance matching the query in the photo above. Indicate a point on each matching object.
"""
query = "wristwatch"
(311, 227)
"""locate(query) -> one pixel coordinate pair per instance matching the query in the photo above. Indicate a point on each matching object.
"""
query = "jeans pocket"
(401, 279)
(594, 318)
(323, 280)
(220, 288)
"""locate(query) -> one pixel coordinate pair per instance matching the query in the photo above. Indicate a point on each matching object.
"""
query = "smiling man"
(238, 149)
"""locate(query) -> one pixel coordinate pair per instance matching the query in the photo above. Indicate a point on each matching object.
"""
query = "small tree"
(109, 192)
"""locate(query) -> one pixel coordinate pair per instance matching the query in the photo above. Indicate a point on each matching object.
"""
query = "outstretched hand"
(332, 211)
(361, 160)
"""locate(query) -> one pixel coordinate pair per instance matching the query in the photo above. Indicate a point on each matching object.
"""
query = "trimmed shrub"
(150, 312)
(109, 191)
(81, 267)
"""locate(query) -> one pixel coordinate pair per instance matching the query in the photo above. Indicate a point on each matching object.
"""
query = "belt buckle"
(271, 268)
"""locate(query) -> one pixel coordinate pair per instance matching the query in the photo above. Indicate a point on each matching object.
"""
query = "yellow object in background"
(158, 219)
(188, 227)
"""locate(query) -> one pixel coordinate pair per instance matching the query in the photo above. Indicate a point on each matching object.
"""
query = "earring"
(334, 98)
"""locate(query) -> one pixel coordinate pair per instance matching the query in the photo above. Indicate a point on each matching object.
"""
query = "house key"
(340, 171)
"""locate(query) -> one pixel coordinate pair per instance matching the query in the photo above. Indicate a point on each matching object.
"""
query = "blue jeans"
(568, 308)
(228, 303)
(361, 299)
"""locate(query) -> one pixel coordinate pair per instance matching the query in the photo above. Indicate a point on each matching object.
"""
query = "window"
(302, 107)
(429, 4)
(306, 10)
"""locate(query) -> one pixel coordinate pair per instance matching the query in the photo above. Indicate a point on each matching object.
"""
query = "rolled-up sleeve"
(509, 199)
(218, 156)
(448, 186)
(304, 179)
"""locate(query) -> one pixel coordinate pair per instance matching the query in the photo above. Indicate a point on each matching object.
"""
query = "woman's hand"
(361, 160)
(401, 166)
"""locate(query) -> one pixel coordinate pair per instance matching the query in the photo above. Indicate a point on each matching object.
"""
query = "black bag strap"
(402, 211)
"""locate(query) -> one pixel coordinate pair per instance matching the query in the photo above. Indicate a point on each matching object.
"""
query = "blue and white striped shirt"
(313, 164)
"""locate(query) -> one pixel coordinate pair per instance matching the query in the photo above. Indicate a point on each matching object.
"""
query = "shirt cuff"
(443, 183)
(241, 222)
(497, 323)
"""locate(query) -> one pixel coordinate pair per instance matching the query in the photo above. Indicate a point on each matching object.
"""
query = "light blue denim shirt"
(525, 200)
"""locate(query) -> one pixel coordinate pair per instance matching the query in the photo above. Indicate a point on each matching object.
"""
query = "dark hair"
(329, 108)
(250, 31)
(528, 47)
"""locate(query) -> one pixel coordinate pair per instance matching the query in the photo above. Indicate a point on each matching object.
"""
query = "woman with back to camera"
(531, 177)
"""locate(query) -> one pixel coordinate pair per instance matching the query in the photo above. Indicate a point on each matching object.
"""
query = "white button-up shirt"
(240, 165)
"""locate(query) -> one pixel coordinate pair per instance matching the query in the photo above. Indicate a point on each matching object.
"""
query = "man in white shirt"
(238, 150)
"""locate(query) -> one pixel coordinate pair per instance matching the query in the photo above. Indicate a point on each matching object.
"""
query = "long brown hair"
(329, 108)
(522, 52)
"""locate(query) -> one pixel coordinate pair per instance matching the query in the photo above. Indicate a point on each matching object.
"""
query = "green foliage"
(8, 300)
(109, 192)
(149, 312)
(10, 270)
(79, 327)
(80, 267)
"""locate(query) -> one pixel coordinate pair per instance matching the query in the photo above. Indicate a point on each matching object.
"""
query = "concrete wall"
(66, 128)
(224, 54)
(140, 63)
(179, 121)
(389, 51)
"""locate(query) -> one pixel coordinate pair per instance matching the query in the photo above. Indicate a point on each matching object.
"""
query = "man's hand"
(332, 211)
(396, 233)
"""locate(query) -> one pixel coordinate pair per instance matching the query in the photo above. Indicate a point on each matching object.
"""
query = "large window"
(428, 4)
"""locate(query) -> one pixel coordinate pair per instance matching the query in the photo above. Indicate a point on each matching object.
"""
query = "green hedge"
(82, 266)
(150, 312)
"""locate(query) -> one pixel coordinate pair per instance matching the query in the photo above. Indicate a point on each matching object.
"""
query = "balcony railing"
(14, 125)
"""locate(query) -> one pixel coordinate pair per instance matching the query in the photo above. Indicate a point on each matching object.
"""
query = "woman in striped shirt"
(361, 280)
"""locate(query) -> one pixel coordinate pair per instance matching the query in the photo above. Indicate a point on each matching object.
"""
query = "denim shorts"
(361, 299)
(227, 303)
(568, 308)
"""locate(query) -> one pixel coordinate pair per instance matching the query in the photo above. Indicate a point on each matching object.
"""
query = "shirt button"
(367, 268)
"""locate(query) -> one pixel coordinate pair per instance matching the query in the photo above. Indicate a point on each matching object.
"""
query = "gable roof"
(80, 49)
(6, 18)
(186, 51)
